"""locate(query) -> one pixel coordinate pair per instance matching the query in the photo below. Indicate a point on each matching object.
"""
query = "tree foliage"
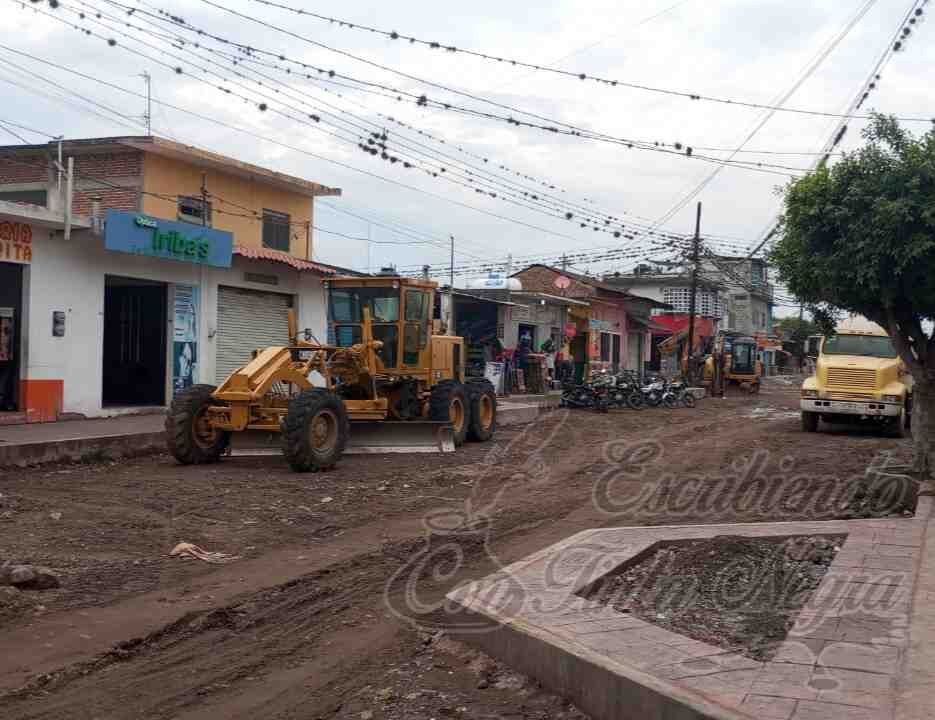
(797, 331)
(860, 236)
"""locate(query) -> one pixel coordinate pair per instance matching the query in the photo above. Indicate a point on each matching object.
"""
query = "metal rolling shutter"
(248, 320)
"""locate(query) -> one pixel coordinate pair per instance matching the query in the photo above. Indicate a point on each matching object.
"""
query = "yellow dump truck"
(858, 377)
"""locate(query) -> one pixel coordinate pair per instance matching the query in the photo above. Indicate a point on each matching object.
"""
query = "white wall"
(70, 277)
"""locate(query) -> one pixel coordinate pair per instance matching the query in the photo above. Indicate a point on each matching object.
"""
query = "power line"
(450, 48)
(13, 133)
(895, 44)
(513, 198)
(27, 128)
(807, 73)
(295, 148)
(557, 127)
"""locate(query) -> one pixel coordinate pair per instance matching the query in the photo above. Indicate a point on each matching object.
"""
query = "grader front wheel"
(315, 431)
(189, 435)
(448, 403)
(483, 404)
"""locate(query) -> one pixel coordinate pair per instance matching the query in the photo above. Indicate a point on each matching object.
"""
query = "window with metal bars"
(276, 230)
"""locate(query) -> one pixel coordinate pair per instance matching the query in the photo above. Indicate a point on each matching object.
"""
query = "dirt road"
(332, 607)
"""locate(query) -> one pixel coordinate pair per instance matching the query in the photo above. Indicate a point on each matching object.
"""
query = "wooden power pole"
(692, 302)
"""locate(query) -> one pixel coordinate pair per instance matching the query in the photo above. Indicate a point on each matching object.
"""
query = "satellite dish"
(562, 282)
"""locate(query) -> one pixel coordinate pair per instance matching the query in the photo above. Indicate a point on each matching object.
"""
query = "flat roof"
(39, 216)
(187, 153)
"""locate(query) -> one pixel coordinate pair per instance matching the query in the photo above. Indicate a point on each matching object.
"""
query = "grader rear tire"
(483, 403)
(189, 436)
(449, 403)
(315, 431)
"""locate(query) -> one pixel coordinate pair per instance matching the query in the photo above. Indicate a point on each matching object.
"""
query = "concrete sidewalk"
(36, 443)
(127, 435)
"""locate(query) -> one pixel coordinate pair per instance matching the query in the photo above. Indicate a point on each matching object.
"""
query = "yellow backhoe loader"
(733, 360)
(386, 384)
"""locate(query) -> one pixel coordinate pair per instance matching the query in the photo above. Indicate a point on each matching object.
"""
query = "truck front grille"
(852, 378)
(850, 396)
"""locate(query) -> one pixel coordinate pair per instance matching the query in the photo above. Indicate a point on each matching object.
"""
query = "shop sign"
(140, 234)
(15, 242)
(601, 325)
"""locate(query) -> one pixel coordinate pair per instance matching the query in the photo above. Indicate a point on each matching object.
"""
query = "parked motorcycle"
(677, 394)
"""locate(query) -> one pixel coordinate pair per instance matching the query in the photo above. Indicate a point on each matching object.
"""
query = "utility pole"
(692, 303)
(451, 290)
(204, 198)
(148, 117)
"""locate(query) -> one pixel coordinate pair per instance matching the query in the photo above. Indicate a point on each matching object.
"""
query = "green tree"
(860, 236)
(797, 330)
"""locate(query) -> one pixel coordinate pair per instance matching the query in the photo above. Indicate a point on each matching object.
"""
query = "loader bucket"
(400, 437)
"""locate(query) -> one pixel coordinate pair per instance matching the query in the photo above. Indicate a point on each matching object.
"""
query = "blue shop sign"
(144, 235)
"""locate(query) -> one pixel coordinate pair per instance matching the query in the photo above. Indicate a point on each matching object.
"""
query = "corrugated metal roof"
(282, 257)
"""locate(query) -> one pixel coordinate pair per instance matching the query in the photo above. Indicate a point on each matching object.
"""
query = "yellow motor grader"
(385, 384)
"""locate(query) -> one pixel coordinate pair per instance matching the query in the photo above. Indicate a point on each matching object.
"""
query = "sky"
(756, 51)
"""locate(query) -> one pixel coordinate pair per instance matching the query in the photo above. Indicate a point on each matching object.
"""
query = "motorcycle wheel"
(688, 400)
(669, 401)
(635, 401)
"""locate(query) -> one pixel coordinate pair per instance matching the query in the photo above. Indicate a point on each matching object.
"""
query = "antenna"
(148, 115)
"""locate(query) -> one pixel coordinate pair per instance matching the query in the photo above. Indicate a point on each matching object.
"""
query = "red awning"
(283, 257)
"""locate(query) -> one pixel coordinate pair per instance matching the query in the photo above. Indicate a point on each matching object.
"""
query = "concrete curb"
(516, 414)
(915, 689)
(22, 454)
(35, 453)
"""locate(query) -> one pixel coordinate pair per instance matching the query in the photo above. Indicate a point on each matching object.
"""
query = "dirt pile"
(735, 592)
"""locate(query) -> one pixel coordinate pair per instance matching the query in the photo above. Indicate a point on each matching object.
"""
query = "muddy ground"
(332, 608)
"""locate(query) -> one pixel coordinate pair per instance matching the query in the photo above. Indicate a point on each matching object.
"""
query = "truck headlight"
(892, 398)
(809, 393)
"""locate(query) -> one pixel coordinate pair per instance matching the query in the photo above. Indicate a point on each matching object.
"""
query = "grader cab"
(384, 384)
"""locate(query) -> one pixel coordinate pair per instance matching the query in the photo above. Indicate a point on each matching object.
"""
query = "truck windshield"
(878, 346)
(347, 304)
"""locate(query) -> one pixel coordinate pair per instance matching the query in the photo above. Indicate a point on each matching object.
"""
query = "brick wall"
(27, 169)
(109, 165)
(119, 168)
(110, 198)
(542, 279)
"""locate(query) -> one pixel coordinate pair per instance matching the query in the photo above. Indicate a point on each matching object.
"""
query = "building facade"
(608, 338)
(751, 296)
(178, 264)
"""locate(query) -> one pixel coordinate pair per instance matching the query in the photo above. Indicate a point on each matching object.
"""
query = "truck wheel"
(315, 430)
(483, 404)
(448, 403)
(190, 437)
(809, 421)
(899, 427)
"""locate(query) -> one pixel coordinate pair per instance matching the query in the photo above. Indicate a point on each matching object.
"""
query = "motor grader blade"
(418, 436)
(365, 438)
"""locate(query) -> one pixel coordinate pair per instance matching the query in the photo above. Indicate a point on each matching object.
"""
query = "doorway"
(11, 329)
(615, 352)
(134, 342)
(529, 330)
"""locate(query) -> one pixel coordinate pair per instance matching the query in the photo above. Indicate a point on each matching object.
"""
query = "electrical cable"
(510, 61)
